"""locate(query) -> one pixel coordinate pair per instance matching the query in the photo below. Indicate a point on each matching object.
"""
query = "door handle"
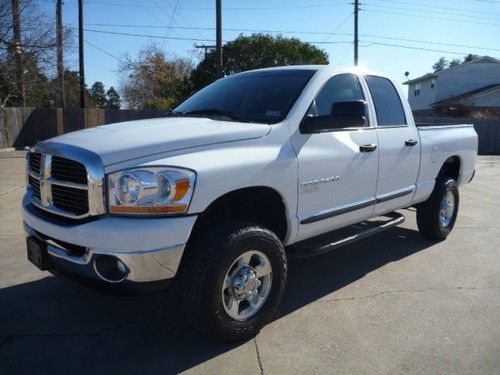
(368, 148)
(411, 142)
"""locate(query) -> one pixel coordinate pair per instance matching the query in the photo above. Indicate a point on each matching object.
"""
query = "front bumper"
(149, 248)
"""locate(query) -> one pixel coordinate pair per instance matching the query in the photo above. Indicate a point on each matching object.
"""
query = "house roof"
(419, 79)
(483, 59)
(467, 94)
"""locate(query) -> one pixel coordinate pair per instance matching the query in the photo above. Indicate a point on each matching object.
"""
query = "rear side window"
(387, 102)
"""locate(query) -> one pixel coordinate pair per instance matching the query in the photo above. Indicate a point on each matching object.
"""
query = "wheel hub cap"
(447, 209)
(247, 285)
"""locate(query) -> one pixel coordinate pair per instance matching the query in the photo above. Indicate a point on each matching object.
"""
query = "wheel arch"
(263, 205)
(451, 167)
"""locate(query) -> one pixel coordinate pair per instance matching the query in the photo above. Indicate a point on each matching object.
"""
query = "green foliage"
(471, 57)
(454, 62)
(257, 51)
(113, 99)
(441, 64)
(98, 94)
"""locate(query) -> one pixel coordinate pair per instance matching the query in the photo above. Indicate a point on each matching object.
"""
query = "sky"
(395, 35)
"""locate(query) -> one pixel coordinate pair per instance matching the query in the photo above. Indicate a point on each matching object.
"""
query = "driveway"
(393, 303)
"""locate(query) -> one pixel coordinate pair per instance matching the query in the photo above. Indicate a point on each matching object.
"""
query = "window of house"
(387, 102)
(433, 83)
(416, 91)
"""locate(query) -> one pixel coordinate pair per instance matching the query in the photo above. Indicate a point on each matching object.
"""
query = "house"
(472, 84)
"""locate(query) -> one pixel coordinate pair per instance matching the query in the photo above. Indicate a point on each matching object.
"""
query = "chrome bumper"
(146, 249)
(141, 266)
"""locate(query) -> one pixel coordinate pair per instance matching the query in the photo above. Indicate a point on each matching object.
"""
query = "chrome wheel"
(247, 284)
(447, 209)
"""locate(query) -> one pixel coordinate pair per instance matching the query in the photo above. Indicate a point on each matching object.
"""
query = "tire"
(431, 223)
(218, 256)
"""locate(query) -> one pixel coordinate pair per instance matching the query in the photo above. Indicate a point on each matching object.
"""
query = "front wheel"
(233, 279)
(436, 216)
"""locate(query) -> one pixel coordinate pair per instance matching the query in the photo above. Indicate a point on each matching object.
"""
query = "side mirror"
(343, 115)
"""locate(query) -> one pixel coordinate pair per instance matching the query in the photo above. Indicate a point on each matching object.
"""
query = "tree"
(113, 99)
(154, 81)
(72, 89)
(441, 64)
(257, 51)
(471, 57)
(37, 48)
(98, 94)
(454, 62)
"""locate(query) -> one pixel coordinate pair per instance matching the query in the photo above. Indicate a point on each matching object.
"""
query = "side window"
(387, 102)
(340, 88)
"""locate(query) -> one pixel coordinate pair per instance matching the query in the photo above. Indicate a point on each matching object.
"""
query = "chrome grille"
(35, 184)
(34, 161)
(68, 170)
(66, 180)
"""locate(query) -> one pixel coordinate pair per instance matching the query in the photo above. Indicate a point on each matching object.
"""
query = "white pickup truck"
(248, 170)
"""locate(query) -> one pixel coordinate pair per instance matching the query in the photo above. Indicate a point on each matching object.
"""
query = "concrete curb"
(8, 149)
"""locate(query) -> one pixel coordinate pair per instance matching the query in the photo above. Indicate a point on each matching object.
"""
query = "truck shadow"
(52, 326)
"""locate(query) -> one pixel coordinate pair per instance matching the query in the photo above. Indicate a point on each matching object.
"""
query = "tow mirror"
(351, 114)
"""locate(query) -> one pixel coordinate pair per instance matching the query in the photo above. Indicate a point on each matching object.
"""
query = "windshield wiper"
(209, 111)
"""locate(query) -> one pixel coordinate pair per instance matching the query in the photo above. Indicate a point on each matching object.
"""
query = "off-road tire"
(203, 271)
(428, 212)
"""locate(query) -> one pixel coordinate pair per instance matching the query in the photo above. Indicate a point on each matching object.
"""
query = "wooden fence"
(20, 127)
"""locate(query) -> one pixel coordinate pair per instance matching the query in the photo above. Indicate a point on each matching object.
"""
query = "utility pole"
(18, 52)
(60, 61)
(218, 38)
(356, 12)
(80, 53)
(205, 48)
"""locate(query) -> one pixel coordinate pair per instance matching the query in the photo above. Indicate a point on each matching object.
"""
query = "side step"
(335, 239)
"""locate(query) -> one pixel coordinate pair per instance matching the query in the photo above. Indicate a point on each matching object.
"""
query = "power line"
(410, 47)
(149, 36)
(103, 51)
(225, 8)
(338, 27)
(300, 32)
(427, 11)
(433, 6)
(434, 17)
(370, 43)
(346, 52)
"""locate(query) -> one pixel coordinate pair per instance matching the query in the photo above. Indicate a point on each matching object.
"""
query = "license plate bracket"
(37, 253)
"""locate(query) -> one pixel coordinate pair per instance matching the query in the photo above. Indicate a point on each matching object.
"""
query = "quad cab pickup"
(248, 170)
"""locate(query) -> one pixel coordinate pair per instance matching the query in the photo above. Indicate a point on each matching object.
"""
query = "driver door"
(336, 175)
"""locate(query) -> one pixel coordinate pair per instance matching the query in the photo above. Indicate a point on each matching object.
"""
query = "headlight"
(150, 190)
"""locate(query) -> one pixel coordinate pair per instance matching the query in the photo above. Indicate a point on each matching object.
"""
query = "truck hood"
(124, 141)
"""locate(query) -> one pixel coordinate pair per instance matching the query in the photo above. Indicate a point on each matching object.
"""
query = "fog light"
(110, 269)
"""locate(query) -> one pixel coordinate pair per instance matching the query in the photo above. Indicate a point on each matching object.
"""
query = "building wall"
(426, 97)
(466, 77)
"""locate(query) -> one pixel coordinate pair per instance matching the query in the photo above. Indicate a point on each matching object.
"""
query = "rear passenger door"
(399, 150)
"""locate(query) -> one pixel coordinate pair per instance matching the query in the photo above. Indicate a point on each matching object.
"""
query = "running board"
(338, 238)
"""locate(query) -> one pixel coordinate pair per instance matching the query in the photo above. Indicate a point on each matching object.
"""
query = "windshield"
(262, 96)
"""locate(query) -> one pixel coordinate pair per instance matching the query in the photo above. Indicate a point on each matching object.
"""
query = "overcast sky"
(395, 35)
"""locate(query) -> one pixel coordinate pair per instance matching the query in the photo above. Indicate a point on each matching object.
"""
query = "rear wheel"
(233, 279)
(436, 216)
